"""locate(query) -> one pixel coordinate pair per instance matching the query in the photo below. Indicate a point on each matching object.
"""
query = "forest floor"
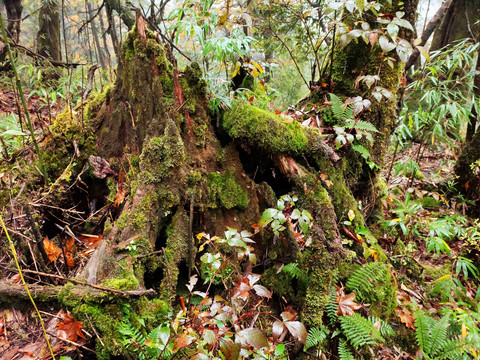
(21, 335)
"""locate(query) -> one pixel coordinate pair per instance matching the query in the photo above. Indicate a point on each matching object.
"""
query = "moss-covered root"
(264, 130)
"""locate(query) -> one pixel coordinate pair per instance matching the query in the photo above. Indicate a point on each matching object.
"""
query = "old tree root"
(180, 176)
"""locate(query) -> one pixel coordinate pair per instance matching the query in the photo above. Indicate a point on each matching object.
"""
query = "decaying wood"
(50, 292)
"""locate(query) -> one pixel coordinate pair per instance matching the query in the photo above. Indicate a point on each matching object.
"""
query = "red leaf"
(69, 329)
(183, 341)
(253, 337)
(297, 329)
(51, 250)
(346, 305)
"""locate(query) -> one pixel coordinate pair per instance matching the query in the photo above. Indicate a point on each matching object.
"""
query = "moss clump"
(161, 155)
(66, 125)
(265, 130)
(223, 190)
(94, 105)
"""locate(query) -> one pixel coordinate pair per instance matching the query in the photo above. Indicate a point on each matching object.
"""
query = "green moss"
(176, 249)
(66, 125)
(280, 283)
(93, 106)
(162, 155)
(265, 130)
(223, 190)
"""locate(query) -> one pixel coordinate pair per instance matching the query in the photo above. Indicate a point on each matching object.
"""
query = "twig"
(71, 342)
(116, 291)
(291, 55)
(95, 331)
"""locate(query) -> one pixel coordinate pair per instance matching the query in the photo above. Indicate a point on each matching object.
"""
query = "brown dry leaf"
(406, 317)
(119, 197)
(69, 328)
(68, 252)
(51, 249)
(101, 167)
(16, 279)
(346, 305)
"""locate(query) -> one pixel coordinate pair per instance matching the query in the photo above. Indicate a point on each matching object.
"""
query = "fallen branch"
(47, 290)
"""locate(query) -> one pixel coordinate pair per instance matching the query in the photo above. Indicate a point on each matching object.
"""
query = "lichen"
(265, 130)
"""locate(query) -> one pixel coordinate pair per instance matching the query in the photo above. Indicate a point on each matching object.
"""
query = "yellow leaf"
(445, 277)
(464, 331)
(351, 215)
(200, 235)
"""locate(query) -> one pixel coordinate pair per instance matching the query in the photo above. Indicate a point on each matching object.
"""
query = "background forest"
(251, 179)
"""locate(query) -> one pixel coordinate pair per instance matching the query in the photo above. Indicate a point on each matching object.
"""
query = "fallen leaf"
(68, 252)
(119, 197)
(101, 167)
(69, 328)
(406, 317)
(52, 251)
(346, 305)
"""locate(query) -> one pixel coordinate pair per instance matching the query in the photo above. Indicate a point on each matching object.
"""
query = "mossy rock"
(430, 203)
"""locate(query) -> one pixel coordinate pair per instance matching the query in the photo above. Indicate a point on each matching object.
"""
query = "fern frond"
(359, 331)
(438, 336)
(422, 334)
(385, 328)
(361, 125)
(344, 352)
(293, 270)
(362, 150)
(340, 112)
(316, 336)
(332, 306)
(452, 349)
(363, 280)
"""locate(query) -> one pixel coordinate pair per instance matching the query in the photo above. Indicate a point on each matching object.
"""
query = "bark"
(48, 35)
(14, 16)
(459, 22)
(348, 64)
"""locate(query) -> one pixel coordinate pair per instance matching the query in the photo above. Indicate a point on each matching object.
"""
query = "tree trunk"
(48, 35)
(14, 17)
(459, 22)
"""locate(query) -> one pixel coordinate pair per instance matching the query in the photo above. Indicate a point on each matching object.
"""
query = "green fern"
(359, 331)
(293, 270)
(385, 328)
(432, 337)
(316, 336)
(332, 306)
(361, 125)
(344, 352)
(363, 280)
(340, 112)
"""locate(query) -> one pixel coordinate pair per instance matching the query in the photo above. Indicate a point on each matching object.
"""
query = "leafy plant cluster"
(218, 326)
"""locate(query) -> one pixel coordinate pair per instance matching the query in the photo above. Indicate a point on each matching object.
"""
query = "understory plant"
(221, 324)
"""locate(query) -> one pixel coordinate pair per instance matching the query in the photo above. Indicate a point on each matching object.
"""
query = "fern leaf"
(332, 306)
(422, 333)
(452, 349)
(363, 280)
(344, 352)
(362, 150)
(316, 336)
(293, 270)
(438, 336)
(385, 328)
(361, 125)
(359, 331)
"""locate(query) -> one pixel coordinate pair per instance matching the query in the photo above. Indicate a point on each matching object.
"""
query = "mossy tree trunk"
(460, 22)
(48, 35)
(184, 175)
